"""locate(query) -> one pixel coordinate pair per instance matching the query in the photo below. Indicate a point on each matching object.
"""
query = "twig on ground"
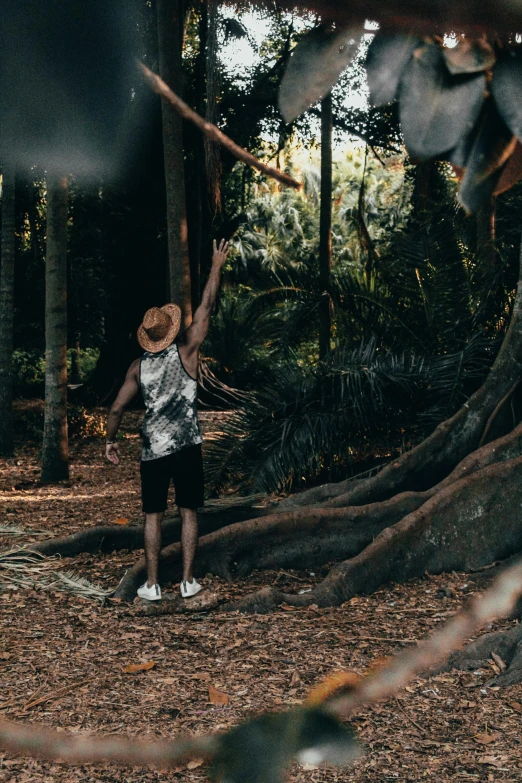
(290, 576)
(53, 695)
(410, 719)
(159, 86)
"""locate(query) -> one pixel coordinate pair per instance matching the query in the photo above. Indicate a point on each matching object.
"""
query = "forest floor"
(62, 657)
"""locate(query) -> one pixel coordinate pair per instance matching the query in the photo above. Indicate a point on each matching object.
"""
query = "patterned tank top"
(170, 396)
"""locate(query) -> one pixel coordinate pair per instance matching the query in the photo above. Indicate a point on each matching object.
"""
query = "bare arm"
(198, 329)
(127, 393)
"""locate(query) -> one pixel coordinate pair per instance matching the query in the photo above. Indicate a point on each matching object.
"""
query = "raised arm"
(127, 393)
(198, 329)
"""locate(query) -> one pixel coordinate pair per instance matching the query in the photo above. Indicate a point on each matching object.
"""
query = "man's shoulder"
(134, 368)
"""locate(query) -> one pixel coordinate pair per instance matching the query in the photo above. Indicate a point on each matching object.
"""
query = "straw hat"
(159, 328)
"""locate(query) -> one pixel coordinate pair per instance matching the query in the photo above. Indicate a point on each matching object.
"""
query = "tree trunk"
(212, 83)
(55, 454)
(325, 226)
(7, 261)
(170, 41)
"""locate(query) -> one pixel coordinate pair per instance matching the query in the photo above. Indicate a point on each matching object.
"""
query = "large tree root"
(173, 603)
(506, 644)
(464, 526)
(295, 539)
(415, 470)
(504, 448)
(109, 538)
(311, 537)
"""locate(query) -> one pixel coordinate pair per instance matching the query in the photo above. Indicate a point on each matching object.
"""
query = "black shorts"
(184, 468)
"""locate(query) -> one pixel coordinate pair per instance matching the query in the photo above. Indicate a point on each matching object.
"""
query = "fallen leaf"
(132, 668)
(492, 761)
(194, 764)
(296, 680)
(217, 697)
(487, 739)
(515, 705)
(121, 521)
(498, 660)
(4, 656)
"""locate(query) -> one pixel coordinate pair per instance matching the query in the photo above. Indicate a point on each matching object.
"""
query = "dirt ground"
(62, 658)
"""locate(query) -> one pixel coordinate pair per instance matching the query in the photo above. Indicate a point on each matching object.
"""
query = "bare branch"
(497, 602)
(159, 86)
(30, 740)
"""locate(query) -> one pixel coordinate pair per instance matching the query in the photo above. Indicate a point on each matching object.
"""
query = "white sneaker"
(150, 593)
(188, 589)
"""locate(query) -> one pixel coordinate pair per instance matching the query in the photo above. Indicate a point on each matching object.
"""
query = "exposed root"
(173, 603)
(301, 538)
(477, 654)
(433, 459)
(503, 647)
(109, 538)
(505, 448)
(468, 524)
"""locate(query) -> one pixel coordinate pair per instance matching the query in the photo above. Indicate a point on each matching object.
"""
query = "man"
(167, 376)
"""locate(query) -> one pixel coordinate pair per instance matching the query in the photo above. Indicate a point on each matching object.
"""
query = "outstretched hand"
(220, 253)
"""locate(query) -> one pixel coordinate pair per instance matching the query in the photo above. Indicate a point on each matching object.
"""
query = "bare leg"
(152, 546)
(189, 540)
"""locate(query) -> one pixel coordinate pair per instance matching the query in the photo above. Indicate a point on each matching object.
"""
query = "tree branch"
(84, 749)
(159, 86)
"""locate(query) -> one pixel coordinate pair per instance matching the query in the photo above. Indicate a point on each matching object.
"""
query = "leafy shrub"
(28, 373)
(29, 370)
(85, 424)
(87, 358)
(324, 422)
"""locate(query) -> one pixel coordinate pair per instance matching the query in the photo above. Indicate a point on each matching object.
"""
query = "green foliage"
(416, 322)
(28, 372)
(87, 359)
(29, 369)
(83, 424)
(236, 349)
(334, 419)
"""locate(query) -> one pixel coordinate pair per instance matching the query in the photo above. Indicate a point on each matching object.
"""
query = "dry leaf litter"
(71, 663)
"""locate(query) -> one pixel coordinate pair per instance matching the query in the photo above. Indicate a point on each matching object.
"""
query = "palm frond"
(309, 418)
(27, 569)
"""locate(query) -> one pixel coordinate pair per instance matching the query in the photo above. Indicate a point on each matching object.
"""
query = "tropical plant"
(340, 417)
(416, 324)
